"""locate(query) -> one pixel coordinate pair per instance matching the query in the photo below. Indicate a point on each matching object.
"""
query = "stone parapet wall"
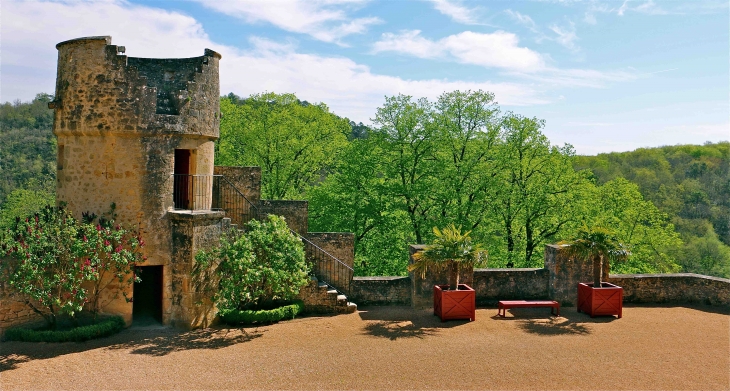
(295, 213)
(673, 288)
(493, 285)
(246, 179)
(381, 290)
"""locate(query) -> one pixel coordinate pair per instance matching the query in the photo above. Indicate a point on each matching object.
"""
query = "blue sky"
(604, 75)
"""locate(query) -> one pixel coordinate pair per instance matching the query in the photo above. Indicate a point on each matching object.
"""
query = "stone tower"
(134, 132)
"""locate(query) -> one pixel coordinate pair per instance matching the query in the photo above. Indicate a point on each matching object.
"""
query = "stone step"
(341, 298)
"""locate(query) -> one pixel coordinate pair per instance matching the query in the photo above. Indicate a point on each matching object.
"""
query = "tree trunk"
(597, 271)
(453, 276)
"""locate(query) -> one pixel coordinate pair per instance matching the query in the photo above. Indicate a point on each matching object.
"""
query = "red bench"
(507, 304)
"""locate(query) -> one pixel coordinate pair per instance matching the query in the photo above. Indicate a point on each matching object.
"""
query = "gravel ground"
(651, 347)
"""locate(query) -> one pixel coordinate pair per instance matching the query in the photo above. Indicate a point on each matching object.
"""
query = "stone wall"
(564, 275)
(295, 213)
(673, 288)
(183, 306)
(246, 179)
(13, 310)
(492, 285)
(340, 245)
(316, 298)
(381, 290)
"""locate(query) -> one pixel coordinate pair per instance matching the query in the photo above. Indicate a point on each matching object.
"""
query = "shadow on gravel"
(155, 341)
(403, 322)
(166, 341)
(540, 321)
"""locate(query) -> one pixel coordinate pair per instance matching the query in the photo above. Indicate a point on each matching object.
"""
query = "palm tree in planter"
(451, 250)
(599, 245)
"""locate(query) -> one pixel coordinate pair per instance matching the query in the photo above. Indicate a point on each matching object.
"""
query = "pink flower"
(106, 242)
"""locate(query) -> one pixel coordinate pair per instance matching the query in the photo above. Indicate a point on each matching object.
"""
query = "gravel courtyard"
(651, 347)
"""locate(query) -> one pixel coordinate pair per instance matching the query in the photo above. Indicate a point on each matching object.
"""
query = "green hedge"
(262, 316)
(79, 334)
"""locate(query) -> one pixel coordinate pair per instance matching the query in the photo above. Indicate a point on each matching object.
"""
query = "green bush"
(79, 334)
(256, 269)
(262, 316)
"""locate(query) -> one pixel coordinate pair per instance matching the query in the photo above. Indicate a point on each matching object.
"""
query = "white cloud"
(455, 11)
(325, 20)
(590, 18)
(31, 30)
(565, 35)
(496, 50)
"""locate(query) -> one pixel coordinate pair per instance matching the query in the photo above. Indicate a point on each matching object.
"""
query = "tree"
(406, 146)
(28, 149)
(466, 130)
(52, 257)
(598, 245)
(26, 201)
(619, 206)
(536, 190)
(294, 143)
(451, 250)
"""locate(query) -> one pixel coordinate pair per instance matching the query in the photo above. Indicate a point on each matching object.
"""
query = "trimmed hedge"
(79, 334)
(262, 316)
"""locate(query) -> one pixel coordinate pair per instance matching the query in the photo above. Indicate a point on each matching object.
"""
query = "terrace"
(392, 347)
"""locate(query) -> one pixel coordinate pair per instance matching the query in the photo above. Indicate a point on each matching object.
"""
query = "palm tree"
(450, 250)
(599, 245)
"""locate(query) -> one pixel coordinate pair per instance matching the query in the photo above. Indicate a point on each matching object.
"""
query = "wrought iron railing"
(325, 266)
(192, 192)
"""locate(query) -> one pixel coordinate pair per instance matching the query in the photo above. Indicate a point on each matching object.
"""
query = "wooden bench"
(504, 305)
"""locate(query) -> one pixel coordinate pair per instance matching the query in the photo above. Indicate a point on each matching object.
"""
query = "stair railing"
(326, 267)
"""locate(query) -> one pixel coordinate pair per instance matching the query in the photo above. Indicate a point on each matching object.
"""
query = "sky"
(604, 75)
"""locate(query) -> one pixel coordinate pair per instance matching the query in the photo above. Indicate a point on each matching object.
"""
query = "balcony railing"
(193, 192)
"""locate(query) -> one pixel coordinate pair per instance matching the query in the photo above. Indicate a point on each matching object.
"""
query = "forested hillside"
(424, 164)
(27, 157)
(690, 183)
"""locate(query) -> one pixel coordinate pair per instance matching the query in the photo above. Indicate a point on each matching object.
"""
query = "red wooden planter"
(606, 300)
(459, 304)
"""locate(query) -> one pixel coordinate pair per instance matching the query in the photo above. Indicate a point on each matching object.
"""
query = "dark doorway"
(147, 304)
(183, 180)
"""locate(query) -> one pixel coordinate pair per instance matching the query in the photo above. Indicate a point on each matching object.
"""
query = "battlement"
(100, 90)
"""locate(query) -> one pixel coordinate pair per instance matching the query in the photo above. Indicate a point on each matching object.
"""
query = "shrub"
(233, 316)
(50, 254)
(79, 334)
(264, 265)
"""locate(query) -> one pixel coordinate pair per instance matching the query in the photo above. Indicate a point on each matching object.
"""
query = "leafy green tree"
(28, 149)
(451, 250)
(253, 270)
(598, 245)
(619, 206)
(466, 132)
(536, 190)
(406, 146)
(23, 202)
(293, 142)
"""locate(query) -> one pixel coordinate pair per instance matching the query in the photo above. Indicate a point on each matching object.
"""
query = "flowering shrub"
(50, 255)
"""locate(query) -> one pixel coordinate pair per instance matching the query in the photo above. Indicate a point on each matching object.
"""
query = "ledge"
(195, 215)
(379, 278)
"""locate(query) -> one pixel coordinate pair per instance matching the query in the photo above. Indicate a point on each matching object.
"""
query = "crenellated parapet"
(100, 90)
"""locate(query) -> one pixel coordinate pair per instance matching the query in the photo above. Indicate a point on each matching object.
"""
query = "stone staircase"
(320, 298)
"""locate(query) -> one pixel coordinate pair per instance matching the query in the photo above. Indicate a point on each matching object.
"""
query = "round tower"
(139, 133)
